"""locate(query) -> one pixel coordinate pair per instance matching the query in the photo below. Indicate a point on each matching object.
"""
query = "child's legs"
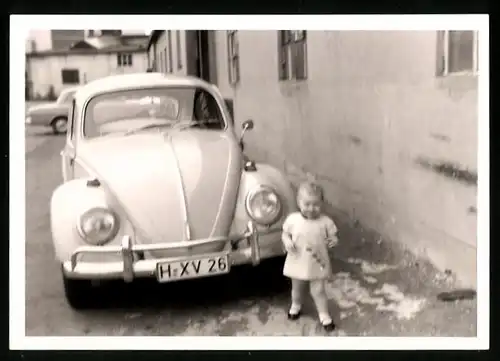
(298, 291)
(318, 293)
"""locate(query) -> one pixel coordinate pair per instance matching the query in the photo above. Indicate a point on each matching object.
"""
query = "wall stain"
(441, 137)
(355, 140)
(450, 170)
(472, 210)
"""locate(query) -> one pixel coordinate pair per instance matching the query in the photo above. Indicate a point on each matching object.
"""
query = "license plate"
(192, 268)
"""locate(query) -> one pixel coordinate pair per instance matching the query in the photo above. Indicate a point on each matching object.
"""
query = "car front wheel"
(78, 292)
(59, 125)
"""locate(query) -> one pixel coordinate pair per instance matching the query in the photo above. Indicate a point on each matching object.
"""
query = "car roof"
(69, 89)
(135, 80)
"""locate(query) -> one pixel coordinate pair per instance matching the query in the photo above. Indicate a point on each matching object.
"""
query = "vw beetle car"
(54, 115)
(156, 185)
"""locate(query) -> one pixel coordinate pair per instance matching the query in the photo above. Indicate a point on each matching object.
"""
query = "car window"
(122, 111)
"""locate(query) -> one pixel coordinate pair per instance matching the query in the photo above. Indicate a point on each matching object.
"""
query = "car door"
(68, 153)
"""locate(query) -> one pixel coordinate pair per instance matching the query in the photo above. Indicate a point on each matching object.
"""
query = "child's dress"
(310, 261)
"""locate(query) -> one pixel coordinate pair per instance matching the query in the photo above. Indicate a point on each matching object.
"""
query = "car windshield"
(139, 110)
(66, 97)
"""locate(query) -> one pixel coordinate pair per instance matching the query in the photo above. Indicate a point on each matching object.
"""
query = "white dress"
(311, 260)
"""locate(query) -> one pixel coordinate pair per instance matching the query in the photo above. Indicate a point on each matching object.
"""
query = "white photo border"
(19, 27)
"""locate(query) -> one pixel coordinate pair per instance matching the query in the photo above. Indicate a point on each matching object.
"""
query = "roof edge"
(94, 51)
(155, 34)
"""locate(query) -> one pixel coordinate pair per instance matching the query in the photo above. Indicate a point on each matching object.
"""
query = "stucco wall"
(161, 44)
(371, 107)
(46, 71)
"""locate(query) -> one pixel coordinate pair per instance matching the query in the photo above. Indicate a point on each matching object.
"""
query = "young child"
(307, 235)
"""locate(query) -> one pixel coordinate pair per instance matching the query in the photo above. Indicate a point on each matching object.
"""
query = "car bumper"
(130, 267)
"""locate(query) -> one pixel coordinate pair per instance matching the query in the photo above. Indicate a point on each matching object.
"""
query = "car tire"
(78, 292)
(59, 125)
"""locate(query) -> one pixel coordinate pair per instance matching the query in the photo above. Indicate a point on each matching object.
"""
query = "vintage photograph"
(252, 182)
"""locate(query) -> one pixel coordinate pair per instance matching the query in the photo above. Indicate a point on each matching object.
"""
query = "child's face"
(309, 205)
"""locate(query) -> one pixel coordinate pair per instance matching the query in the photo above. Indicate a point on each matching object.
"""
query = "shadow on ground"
(243, 283)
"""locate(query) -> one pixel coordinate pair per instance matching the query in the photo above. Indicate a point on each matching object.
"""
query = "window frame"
(233, 57)
(446, 55)
(124, 60)
(287, 40)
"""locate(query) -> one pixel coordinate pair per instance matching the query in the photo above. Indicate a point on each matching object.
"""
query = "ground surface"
(377, 290)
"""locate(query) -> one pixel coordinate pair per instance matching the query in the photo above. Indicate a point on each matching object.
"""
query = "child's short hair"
(312, 188)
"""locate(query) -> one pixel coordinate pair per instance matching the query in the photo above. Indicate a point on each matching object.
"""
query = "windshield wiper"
(189, 124)
(145, 127)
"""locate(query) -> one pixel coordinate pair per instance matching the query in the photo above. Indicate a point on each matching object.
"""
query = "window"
(460, 52)
(233, 60)
(123, 60)
(70, 76)
(179, 50)
(170, 66)
(292, 54)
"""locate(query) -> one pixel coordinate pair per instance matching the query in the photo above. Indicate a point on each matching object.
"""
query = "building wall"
(161, 50)
(46, 71)
(371, 107)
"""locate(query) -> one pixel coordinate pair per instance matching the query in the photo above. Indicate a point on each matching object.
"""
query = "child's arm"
(286, 235)
(331, 233)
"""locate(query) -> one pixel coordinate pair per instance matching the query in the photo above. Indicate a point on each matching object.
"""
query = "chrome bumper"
(130, 268)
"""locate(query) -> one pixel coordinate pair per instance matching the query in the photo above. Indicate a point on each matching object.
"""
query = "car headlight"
(263, 205)
(98, 226)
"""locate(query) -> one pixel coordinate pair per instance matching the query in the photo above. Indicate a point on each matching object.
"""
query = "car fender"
(68, 202)
(264, 175)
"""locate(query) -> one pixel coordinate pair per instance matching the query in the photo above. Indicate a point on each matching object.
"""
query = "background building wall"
(45, 71)
(161, 53)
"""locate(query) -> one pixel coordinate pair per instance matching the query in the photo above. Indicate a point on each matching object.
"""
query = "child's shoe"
(327, 323)
(294, 312)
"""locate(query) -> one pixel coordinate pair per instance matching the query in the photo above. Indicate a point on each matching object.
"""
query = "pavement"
(377, 289)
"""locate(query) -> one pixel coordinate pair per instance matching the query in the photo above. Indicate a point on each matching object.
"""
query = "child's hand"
(290, 245)
(332, 242)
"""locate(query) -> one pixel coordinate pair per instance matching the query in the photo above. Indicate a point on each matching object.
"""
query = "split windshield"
(149, 109)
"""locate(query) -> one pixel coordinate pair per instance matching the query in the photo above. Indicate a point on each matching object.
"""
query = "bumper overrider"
(260, 244)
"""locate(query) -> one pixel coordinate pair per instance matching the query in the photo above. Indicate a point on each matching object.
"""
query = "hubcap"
(61, 125)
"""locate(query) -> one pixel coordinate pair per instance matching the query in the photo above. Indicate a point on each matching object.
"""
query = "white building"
(51, 70)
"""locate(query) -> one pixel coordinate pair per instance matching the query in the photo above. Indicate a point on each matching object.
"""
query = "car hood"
(155, 175)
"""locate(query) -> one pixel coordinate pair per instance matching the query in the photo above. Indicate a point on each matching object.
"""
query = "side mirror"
(247, 125)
